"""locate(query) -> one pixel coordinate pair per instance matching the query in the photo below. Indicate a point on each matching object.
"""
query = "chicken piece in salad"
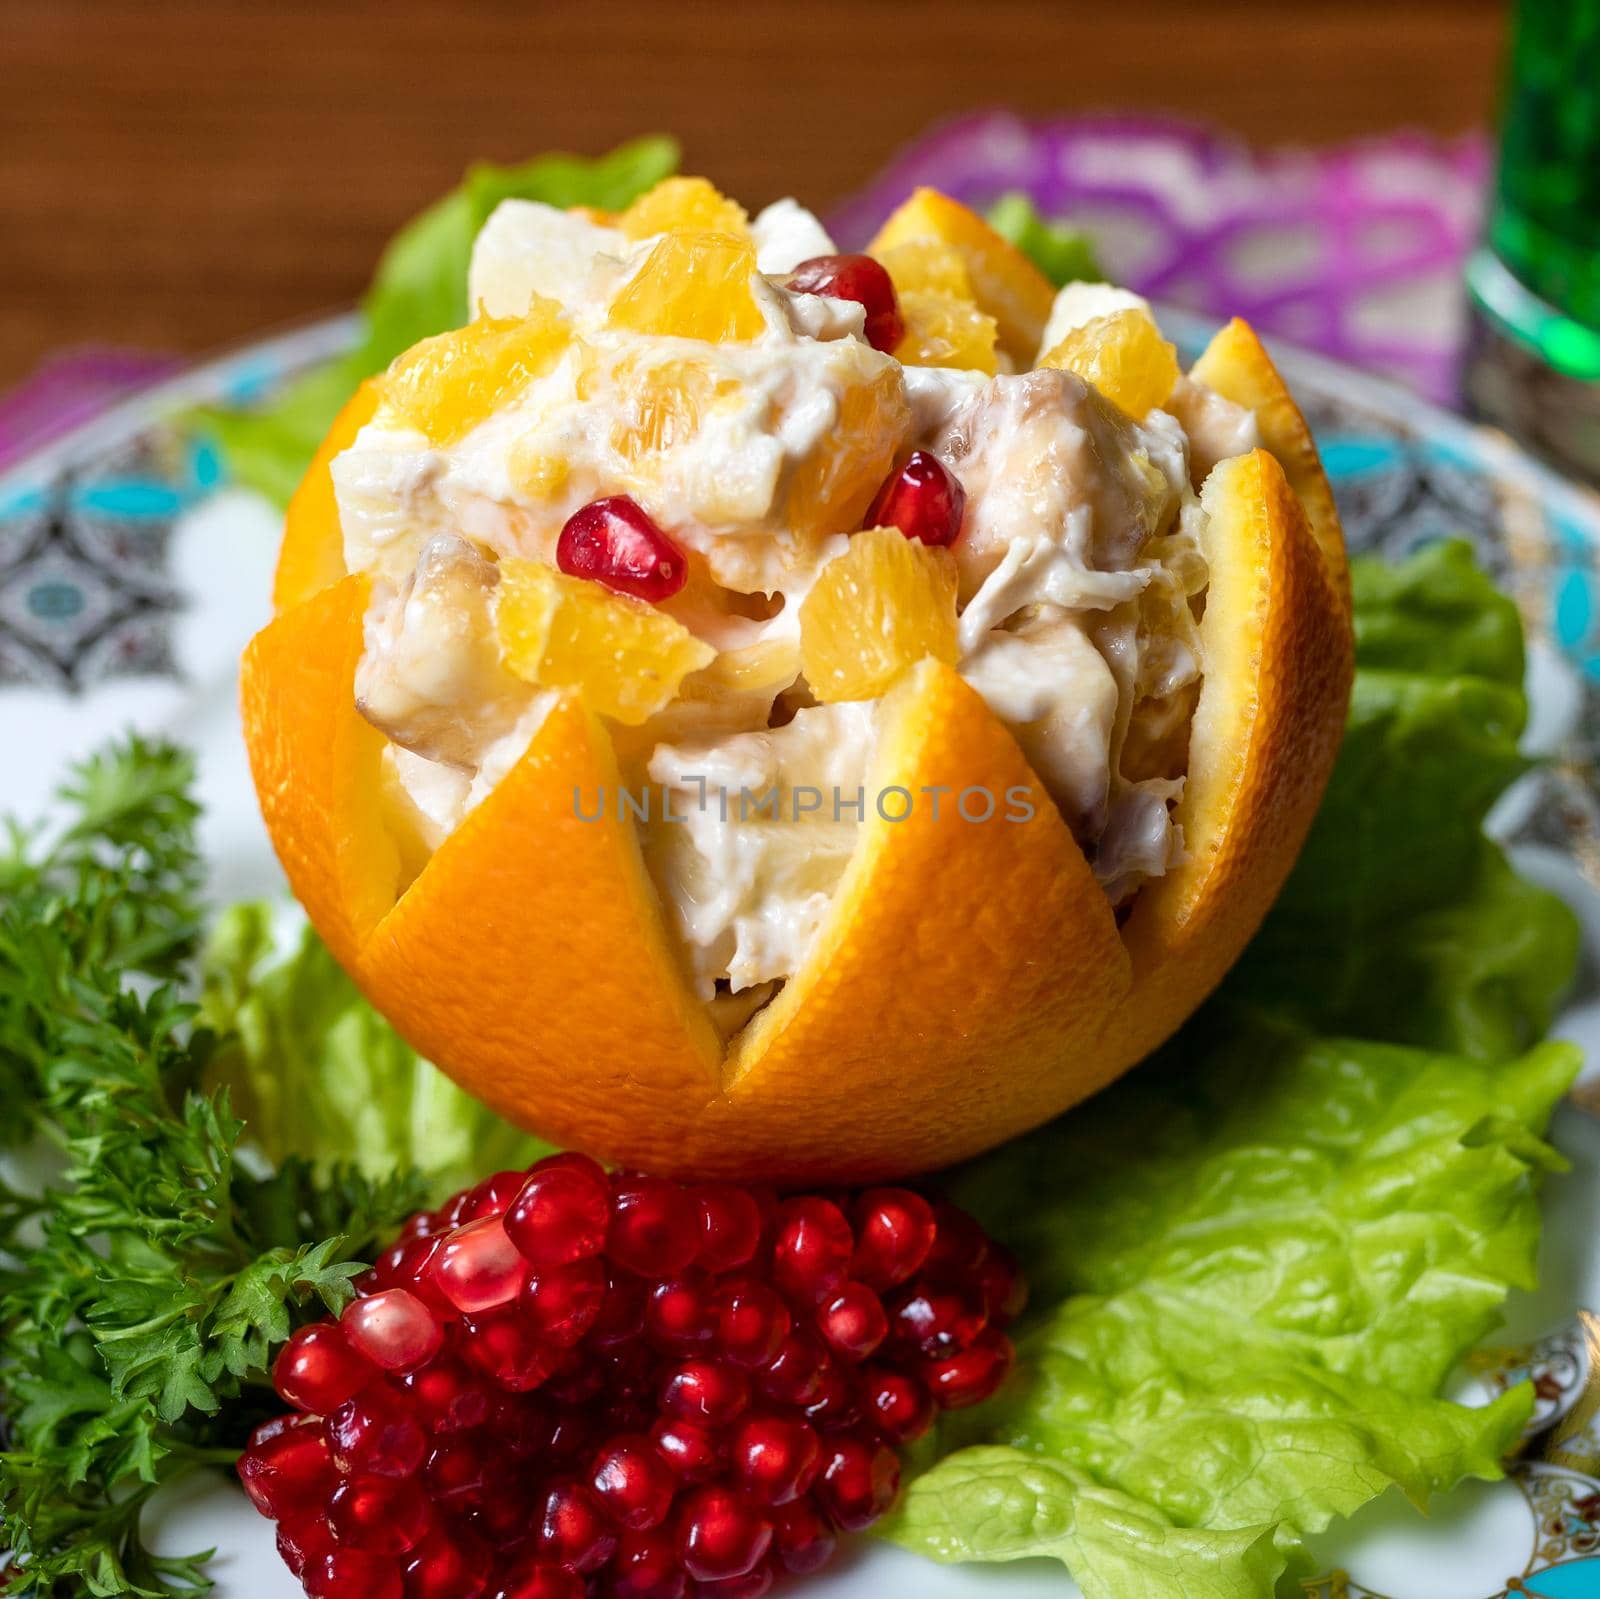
(729, 484)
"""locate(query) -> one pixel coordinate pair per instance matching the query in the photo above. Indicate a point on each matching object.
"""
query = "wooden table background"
(180, 173)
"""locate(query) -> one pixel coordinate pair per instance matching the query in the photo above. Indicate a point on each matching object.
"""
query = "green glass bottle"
(1534, 284)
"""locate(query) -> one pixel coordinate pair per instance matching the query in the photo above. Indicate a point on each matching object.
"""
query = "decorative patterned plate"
(131, 574)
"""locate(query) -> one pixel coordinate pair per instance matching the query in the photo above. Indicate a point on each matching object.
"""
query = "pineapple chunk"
(624, 657)
(683, 205)
(1124, 356)
(693, 286)
(876, 610)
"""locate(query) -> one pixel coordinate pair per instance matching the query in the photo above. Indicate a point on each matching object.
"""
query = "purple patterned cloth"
(71, 388)
(1355, 251)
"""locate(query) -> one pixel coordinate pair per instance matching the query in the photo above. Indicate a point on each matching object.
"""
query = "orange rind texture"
(969, 980)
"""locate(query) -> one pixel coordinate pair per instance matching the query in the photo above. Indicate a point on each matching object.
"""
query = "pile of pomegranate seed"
(614, 541)
(567, 1384)
(858, 278)
(923, 498)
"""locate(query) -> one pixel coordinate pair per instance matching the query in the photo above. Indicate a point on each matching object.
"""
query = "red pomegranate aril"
(679, 1314)
(317, 1370)
(1004, 1288)
(938, 1321)
(447, 1565)
(752, 1585)
(540, 1579)
(376, 1435)
(406, 1266)
(562, 1302)
(573, 1528)
(561, 1213)
(732, 1222)
(811, 1250)
(621, 1318)
(300, 1542)
(655, 1226)
(449, 1397)
(695, 1453)
(351, 1574)
(646, 1567)
(520, 1425)
(455, 1471)
(775, 1459)
(960, 1245)
(633, 1482)
(709, 1392)
(501, 1345)
(273, 1426)
(478, 1267)
(894, 1232)
(287, 1472)
(896, 1403)
(493, 1196)
(802, 1538)
(837, 1404)
(970, 1377)
(503, 1514)
(859, 278)
(379, 1514)
(752, 1322)
(614, 541)
(853, 1322)
(393, 1329)
(859, 1480)
(794, 1376)
(721, 1534)
(923, 498)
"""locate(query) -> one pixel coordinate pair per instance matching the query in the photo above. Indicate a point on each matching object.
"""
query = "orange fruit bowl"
(970, 978)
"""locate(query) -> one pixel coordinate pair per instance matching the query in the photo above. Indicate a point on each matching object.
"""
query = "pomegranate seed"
(973, 1375)
(375, 1435)
(794, 1375)
(853, 1322)
(493, 1196)
(448, 1397)
(774, 1459)
(478, 1267)
(621, 1317)
(938, 1321)
(502, 1513)
(655, 1227)
(452, 1213)
(646, 1567)
(379, 1514)
(679, 1314)
(923, 498)
(418, 1226)
(287, 1472)
(894, 1232)
(301, 1542)
(899, 1406)
(753, 1585)
(407, 1266)
(960, 1245)
(633, 1482)
(506, 1350)
(561, 1303)
(858, 278)
(614, 542)
(1004, 1288)
(731, 1225)
(454, 1471)
(706, 1391)
(695, 1453)
(721, 1534)
(273, 1427)
(317, 1370)
(539, 1579)
(859, 1480)
(561, 1213)
(520, 1425)
(447, 1566)
(351, 1574)
(573, 1530)
(393, 1329)
(837, 1404)
(811, 1250)
(801, 1538)
(752, 1322)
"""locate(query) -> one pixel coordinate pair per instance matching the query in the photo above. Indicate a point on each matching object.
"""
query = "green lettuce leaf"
(420, 288)
(315, 1072)
(1063, 253)
(1257, 1260)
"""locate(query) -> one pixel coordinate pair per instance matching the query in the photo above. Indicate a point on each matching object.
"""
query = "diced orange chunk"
(624, 657)
(693, 286)
(927, 264)
(683, 205)
(943, 330)
(877, 610)
(445, 386)
(1124, 356)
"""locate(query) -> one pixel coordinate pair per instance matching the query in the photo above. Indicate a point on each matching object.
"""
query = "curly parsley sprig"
(144, 1290)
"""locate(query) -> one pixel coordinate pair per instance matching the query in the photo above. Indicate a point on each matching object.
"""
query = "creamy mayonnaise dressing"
(1079, 561)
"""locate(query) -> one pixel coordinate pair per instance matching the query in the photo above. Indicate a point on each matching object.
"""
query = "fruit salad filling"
(731, 487)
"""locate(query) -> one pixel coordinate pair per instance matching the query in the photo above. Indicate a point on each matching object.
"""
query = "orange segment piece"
(1237, 366)
(534, 934)
(315, 762)
(942, 330)
(693, 286)
(876, 610)
(831, 487)
(683, 205)
(624, 657)
(311, 556)
(445, 386)
(1008, 286)
(1124, 356)
(984, 952)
